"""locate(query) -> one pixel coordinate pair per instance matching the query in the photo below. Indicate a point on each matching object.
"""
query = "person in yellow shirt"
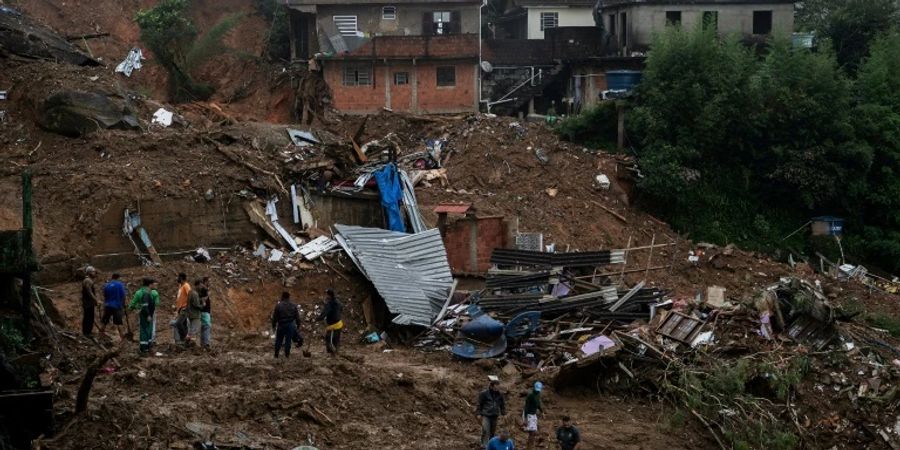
(181, 323)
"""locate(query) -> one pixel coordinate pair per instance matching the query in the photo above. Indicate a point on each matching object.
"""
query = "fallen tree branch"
(84, 391)
(615, 214)
(710, 428)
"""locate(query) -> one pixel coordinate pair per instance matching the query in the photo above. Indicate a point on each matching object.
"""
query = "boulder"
(21, 36)
(77, 113)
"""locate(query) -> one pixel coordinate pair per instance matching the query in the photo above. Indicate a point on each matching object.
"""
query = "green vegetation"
(278, 44)
(740, 147)
(884, 322)
(170, 34)
(729, 396)
(12, 340)
(594, 127)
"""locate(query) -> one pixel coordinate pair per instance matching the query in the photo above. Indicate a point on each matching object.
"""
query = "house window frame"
(613, 29)
(350, 75)
(401, 75)
(710, 20)
(341, 22)
(624, 28)
(389, 12)
(446, 84)
(439, 24)
(673, 18)
(771, 20)
(554, 18)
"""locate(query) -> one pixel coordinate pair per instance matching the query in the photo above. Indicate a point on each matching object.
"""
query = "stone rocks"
(77, 113)
(23, 37)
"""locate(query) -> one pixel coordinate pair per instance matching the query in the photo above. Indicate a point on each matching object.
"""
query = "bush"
(170, 34)
(595, 127)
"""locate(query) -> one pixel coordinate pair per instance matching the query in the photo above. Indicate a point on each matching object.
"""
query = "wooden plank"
(258, 216)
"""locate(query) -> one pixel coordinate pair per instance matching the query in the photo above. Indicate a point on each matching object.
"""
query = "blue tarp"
(389, 185)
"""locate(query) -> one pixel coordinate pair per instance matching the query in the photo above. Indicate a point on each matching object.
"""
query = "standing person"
(285, 320)
(205, 315)
(490, 406)
(333, 323)
(114, 294)
(194, 310)
(145, 300)
(88, 301)
(501, 442)
(530, 413)
(567, 435)
(180, 324)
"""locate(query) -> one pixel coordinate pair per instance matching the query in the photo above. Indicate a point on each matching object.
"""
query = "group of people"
(491, 406)
(286, 324)
(192, 320)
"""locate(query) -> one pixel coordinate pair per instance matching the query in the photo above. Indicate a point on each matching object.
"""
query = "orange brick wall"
(428, 98)
(491, 233)
(434, 99)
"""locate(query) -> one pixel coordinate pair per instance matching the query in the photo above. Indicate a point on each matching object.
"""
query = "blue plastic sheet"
(388, 181)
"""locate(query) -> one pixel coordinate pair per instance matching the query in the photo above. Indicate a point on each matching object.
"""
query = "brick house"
(402, 55)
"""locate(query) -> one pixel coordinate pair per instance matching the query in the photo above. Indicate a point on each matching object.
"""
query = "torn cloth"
(389, 185)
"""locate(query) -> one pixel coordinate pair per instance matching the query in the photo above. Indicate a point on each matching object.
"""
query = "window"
(762, 22)
(441, 20)
(446, 76)
(711, 20)
(389, 13)
(357, 76)
(624, 30)
(612, 24)
(673, 18)
(401, 78)
(346, 25)
(549, 20)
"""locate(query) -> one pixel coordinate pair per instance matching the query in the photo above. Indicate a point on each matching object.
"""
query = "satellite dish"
(486, 66)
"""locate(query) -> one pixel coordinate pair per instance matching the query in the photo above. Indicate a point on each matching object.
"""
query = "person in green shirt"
(145, 301)
(530, 413)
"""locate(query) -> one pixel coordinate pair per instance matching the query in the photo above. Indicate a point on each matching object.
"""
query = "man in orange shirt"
(181, 322)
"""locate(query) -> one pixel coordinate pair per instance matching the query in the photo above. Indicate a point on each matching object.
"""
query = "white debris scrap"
(162, 117)
(131, 62)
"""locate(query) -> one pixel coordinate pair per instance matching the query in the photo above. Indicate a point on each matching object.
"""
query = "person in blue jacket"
(501, 442)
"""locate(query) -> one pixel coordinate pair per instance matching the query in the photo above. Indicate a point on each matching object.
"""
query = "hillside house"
(530, 19)
(632, 23)
(400, 54)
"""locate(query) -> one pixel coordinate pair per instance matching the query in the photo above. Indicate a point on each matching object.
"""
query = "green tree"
(172, 37)
(854, 24)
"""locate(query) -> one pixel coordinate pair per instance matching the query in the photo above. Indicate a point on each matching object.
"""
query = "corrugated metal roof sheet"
(410, 271)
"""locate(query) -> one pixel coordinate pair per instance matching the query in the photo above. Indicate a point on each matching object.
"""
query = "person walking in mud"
(285, 321)
(567, 436)
(333, 323)
(205, 316)
(530, 413)
(181, 321)
(194, 311)
(501, 441)
(145, 301)
(89, 301)
(114, 294)
(491, 404)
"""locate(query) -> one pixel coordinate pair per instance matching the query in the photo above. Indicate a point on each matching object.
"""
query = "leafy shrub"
(595, 127)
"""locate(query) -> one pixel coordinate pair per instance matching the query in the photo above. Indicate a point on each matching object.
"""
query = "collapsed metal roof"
(410, 271)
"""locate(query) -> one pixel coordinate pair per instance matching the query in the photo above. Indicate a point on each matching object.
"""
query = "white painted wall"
(645, 20)
(568, 17)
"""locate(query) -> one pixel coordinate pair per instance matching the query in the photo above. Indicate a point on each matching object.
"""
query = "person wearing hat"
(333, 323)
(530, 413)
(89, 301)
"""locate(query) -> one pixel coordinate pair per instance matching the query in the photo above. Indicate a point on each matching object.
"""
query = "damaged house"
(400, 55)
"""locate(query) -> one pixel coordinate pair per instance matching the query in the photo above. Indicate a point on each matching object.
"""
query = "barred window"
(401, 78)
(357, 76)
(549, 20)
(346, 25)
(389, 13)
